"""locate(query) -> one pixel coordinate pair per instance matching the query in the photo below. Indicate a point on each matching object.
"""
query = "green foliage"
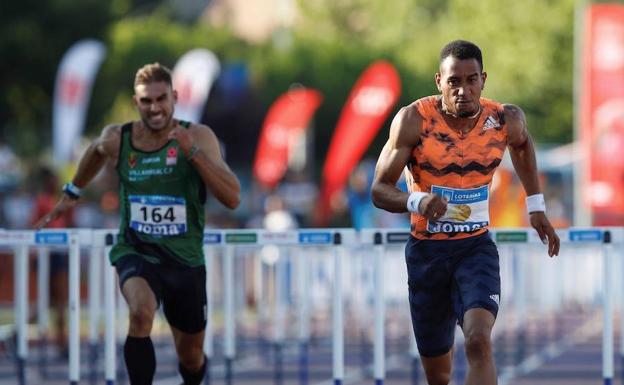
(527, 47)
(134, 42)
(33, 37)
(527, 50)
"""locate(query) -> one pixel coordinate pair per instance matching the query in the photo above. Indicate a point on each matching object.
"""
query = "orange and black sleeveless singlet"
(458, 167)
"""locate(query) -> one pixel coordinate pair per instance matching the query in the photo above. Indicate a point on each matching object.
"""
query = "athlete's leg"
(478, 280)
(433, 319)
(140, 290)
(477, 329)
(190, 349)
(139, 352)
(438, 369)
(184, 304)
(142, 306)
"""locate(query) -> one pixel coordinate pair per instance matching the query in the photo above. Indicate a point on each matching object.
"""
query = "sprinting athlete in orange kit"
(451, 144)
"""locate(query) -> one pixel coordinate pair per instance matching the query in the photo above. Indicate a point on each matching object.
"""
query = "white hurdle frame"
(74, 309)
(337, 315)
(208, 338)
(607, 303)
(21, 310)
(228, 240)
(43, 301)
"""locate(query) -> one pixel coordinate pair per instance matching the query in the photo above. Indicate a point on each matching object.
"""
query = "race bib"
(159, 215)
(467, 210)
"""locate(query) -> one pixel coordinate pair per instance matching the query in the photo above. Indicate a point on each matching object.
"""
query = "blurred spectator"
(359, 197)
(340, 216)
(87, 214)
(277, 217)
(109, 209)
(9, 168)
(300, 195)
(361, 208)
(16, 208)
(44, 202)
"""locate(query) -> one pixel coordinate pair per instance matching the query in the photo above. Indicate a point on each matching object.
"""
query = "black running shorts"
(180, 289)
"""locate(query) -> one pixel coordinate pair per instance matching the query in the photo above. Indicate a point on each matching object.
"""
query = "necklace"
(476, 113)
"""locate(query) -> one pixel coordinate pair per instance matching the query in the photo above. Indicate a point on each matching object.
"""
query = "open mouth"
(157, 118)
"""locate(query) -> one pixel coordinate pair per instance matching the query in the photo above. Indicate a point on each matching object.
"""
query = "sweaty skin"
(460, 87)
(154, 103)
(460, 82)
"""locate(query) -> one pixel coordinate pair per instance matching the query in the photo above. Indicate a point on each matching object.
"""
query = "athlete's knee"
(438, 378)
(478, 346)
(191, 357)
(141, 318)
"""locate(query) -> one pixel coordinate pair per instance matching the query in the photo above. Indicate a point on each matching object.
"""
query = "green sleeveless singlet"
(162, 198)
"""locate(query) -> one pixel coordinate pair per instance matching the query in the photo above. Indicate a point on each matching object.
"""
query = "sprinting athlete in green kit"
(165, 167)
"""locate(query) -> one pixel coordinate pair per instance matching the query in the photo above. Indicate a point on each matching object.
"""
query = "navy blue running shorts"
(446, 279)
(180, 289)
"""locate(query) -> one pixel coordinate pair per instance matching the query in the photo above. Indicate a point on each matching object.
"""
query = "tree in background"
(34, 35)
(527, 47)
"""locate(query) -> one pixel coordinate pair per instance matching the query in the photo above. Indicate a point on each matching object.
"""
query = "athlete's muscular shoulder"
(517, 132)
(108, 142)
(406, 126)
(199, 129)
(205, 139)
(202, 134)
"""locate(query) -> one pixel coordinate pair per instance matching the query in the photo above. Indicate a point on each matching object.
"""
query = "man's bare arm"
(104, 147)
(404, 136)
(522, 154)
(208, 161)
(521, 149)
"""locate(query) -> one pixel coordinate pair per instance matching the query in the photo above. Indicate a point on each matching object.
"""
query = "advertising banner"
(193, 76)
(72, 92)
(372, 98)
(602, 113)
(289, 116)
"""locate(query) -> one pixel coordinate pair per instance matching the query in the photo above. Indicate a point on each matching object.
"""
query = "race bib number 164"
(159, 215)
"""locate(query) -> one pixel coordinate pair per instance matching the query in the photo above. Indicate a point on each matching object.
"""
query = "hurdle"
(229, 241)
(208, 339)
(607, 334)
(43, 305)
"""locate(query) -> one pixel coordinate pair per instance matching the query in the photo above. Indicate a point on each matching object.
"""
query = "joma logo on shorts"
(447, 227)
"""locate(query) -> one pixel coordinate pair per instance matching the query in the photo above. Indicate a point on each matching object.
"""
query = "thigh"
(477, 276)
(184, 298)
(430, 301)
(139, 282)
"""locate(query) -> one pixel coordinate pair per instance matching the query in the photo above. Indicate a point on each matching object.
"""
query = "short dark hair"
(154, 72)
(462, 49)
